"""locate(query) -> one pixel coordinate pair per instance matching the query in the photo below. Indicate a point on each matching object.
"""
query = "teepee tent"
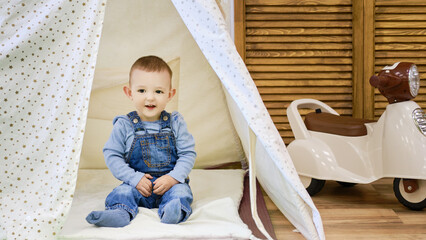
(49, 51)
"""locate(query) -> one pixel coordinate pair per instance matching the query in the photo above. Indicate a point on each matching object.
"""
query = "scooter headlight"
(414, 80)
(398, 83)
(419, 117)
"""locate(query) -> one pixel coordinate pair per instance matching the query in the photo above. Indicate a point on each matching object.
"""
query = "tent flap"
(47, 60)
(49, 50)
(207, 26)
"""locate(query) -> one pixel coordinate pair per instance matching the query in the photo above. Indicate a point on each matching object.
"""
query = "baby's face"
(150, 93)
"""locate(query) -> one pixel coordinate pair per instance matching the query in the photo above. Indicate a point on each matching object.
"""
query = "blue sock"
(109, 218)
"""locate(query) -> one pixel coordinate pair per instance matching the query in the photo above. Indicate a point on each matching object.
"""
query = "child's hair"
(150, 64)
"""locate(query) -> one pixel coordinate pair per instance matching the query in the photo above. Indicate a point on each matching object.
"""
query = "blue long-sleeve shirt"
(117, 148)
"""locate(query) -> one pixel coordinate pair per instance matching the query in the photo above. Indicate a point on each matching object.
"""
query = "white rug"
(217, 194)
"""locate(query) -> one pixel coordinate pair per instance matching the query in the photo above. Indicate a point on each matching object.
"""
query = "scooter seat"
(335, 124)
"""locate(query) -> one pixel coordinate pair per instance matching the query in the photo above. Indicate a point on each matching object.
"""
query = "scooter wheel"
(346, 184)
(414, 201)
(312, 185)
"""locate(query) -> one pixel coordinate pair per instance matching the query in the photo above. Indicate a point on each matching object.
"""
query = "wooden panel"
(299, 23)
(393, 3)
(329, 49)
(304, 53)
(304, 90)
(368, 59)
(400, 39)
(300, 49)
(298, 2)
(304, 75)
(358, 57)
(284, 105)
(419, 61)
(297, 61)
(239, 27)
(302, 83)
(400, 35)
(300, 39)
(300, 68)
(400, 46)
(302, 46)
(397, 24)
(399, 17)
(291, 16)
(400, 32)
(397, 9)
(298, 31)
(304, 9)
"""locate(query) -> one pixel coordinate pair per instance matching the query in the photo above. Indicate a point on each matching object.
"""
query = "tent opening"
(51, 52)
(129, 32)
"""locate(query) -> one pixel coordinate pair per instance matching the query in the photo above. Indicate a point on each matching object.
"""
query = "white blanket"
(217, 194)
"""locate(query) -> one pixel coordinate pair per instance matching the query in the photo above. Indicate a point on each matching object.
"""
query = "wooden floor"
(365, 211)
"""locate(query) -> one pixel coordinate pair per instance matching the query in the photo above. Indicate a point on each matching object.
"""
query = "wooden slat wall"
(400, 36)
(300, 49)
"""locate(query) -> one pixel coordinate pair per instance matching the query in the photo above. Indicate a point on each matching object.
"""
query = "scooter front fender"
(314, 158)
(404, 146)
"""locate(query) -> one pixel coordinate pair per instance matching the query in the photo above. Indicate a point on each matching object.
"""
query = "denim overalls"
(155, 154)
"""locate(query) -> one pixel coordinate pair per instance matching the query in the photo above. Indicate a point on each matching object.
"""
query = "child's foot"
(172, 213)
(109, 218)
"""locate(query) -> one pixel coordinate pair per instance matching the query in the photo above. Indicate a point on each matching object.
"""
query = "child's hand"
(145, 186)
(163, 184)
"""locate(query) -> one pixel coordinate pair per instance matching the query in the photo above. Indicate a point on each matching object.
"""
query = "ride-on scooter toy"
(349, 150)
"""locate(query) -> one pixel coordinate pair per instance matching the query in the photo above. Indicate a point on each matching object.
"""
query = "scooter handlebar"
(296, 122)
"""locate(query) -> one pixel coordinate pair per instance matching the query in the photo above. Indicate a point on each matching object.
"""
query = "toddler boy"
(150, 150)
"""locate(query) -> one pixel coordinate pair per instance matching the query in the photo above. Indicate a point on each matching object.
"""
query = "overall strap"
(165, 118)
(136, 121)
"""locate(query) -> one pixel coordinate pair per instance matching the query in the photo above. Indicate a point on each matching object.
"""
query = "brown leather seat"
(334, 124)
